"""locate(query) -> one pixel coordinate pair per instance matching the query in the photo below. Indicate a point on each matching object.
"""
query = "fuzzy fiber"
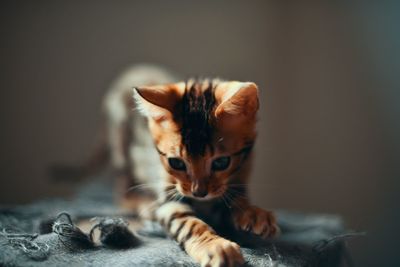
(307, 240)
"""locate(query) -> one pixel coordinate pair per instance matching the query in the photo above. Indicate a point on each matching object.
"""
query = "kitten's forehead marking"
(197, 106)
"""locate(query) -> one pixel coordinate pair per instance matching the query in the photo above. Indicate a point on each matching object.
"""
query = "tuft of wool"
(70, 235)
(26, 243)
(114, 233)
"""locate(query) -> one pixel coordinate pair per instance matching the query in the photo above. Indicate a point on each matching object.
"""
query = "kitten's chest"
(212, 212)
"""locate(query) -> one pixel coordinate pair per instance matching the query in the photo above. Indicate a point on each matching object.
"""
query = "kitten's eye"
(220, 164)
(177, 164)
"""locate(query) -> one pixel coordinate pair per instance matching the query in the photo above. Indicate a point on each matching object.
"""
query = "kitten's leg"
(249, 218)
(197, 238)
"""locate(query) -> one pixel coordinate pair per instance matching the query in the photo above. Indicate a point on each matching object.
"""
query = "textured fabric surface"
(306, 240)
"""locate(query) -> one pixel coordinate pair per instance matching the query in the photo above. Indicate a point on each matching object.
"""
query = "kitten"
(189, 144)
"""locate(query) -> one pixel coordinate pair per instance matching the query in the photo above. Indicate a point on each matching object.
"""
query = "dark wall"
(328, 133)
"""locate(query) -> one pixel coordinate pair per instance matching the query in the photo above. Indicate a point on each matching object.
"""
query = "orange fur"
(195, 124)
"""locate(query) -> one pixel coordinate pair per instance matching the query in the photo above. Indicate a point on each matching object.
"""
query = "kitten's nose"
(199, 190)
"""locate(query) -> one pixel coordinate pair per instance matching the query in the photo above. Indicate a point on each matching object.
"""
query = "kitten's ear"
(238, 101)
(158, 101)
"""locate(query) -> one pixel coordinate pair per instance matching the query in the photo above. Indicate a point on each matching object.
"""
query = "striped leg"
(197, 238)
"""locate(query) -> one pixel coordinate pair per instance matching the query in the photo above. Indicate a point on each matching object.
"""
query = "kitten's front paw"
(256, 221)
(221, 253)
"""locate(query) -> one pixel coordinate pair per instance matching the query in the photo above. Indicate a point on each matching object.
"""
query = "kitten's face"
(203, 131)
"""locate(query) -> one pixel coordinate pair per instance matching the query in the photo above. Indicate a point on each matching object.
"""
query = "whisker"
(170, 191)
(171, 194)
(146, 185)
(226, 203)
(150, 207)
(137, 187)
(233, 201)
(238, 193)
(180, 199)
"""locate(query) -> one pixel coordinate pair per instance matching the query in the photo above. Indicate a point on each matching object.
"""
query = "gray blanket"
(307, 240)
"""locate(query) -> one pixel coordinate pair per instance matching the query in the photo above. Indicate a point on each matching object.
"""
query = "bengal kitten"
(190, 144)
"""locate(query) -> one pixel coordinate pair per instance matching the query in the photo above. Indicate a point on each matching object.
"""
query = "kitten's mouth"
(200, 196)
(206, 197)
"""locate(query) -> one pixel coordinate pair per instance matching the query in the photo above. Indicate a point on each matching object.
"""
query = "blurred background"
(330, 97)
